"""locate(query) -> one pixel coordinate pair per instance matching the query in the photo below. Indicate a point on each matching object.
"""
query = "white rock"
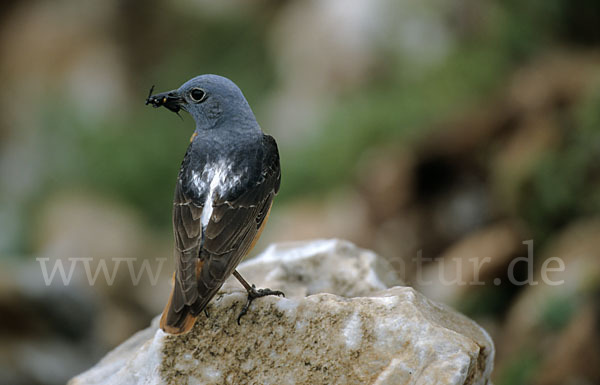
(394, 336)
(321, 266)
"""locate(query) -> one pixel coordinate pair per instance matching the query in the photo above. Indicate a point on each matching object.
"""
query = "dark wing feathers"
(228, 237)
(187, 230)
(236, 221)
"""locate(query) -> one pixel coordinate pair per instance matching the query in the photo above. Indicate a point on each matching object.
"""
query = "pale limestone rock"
(321, 266)
(394, 336)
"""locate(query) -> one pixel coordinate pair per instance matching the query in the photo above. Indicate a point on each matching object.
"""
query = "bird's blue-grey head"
(213, 101)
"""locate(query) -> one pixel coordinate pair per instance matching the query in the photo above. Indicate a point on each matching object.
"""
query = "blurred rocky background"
(432, 132)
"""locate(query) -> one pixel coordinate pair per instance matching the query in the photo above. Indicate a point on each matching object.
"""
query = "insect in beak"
(170, 100)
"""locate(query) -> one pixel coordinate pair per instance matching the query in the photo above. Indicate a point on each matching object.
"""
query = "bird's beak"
(170, 100)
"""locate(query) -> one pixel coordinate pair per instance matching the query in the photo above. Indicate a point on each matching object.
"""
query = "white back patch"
(217, 178)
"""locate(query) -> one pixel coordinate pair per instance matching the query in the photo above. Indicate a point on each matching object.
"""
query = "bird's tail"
(174, 322)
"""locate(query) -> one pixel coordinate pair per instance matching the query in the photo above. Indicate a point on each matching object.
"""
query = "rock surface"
(391, 336)
(322, 266)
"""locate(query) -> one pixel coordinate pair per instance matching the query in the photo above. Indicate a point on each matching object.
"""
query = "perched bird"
(224, 192)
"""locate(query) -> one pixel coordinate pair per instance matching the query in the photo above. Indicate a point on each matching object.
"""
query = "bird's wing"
(206, 257)
(188, 236)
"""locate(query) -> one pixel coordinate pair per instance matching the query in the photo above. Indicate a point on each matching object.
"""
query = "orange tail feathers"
(176, 323)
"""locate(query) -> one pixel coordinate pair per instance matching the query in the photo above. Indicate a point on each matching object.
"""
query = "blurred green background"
(457, 129)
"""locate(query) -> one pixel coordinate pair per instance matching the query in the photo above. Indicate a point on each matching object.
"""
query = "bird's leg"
(253, 293)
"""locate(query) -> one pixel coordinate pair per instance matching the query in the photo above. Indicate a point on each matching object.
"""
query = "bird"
(223, 195)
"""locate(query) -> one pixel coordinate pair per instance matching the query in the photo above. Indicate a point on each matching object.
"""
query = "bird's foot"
(255, 293)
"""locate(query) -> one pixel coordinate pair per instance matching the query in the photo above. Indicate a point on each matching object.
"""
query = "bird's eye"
(198, 95)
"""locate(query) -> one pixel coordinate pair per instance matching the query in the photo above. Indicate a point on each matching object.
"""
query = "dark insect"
(170, 100)
(148, 101)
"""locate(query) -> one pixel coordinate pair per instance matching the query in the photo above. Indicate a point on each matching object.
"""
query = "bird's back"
(222, 198)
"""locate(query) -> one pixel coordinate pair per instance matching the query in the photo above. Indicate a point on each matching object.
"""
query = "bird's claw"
(253, 294)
